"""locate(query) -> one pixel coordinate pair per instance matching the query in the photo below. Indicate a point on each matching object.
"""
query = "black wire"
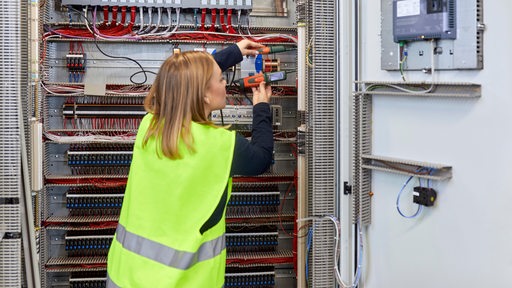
(232, 78)
(229, 87)
(141, 71)
(248, 23)
(232, 83)
(115, 57)
(247, 97)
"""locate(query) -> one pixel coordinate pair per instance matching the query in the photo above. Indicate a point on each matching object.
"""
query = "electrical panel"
(408, 28)
(98, 60)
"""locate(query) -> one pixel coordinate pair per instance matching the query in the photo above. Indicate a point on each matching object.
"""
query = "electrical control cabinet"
(455, 26)
(98, 61)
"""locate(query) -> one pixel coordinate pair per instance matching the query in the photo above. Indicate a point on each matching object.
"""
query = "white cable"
(158, 21)
(177, 21)
(141, 17)
(169, 17)
(2, 231)
(166, 33)
(239, 23)
(174, 31)
(265, 36)
(90, 138)
(432, 59)
(254, 36)
(337, 250)
(67, 94)
(80, 91)
(248, 18)
(150, 21)
(432, 71)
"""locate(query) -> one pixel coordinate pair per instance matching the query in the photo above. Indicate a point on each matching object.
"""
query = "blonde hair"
(176, 98)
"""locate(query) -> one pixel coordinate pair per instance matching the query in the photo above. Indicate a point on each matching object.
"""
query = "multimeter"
(255, 80)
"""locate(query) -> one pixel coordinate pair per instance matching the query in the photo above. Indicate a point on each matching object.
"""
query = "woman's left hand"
(248, 47)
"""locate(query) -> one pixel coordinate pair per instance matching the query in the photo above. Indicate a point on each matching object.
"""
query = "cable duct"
(10, 156)
(320, 140)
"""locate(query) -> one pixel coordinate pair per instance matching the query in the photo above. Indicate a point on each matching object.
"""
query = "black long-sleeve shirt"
(249, 157)
(255, 156)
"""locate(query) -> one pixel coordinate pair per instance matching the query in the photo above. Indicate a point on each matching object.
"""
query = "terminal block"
(233, 114)
(211, 4)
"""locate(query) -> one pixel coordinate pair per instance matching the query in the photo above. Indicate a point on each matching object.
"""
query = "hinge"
(301, 139)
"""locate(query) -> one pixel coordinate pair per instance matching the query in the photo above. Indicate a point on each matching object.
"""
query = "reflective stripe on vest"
(166, 255)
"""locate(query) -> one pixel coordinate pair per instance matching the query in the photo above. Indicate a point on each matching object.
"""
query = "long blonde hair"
(176, 99)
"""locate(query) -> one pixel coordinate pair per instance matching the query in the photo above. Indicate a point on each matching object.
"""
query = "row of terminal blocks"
(211, 4)
(98, 245)
(250, 280)
(88, 245)
(87, 201)
(254, 198)
(96, 158)
(88, 283)
(108, 201)
(233, 280)
(242, 114)
(252, 242)
(100, 147)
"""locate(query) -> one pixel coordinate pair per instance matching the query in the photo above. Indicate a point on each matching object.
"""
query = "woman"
(172, 223)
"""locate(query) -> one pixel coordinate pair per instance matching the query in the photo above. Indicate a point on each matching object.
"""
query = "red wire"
(123, 15)
(105, 16)
(222, 24)
(133, 14)
(203, 19)
(120, 30)
(114, 16)
(230, 26)
(214, 21)
(245, 261)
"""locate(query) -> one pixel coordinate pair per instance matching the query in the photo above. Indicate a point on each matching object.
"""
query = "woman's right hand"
(261, 93)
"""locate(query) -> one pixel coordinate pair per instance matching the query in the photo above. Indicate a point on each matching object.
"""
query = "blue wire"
(195, 19)
(70, 17)
(430, 171)
(308, 247)
(420, 207)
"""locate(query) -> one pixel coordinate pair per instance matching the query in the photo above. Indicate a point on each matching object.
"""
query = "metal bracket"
(347, 189)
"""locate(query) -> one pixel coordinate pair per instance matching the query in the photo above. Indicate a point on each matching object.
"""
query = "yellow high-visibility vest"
(158, 242)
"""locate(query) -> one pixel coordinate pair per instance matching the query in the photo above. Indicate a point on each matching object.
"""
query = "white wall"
(466, 239)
